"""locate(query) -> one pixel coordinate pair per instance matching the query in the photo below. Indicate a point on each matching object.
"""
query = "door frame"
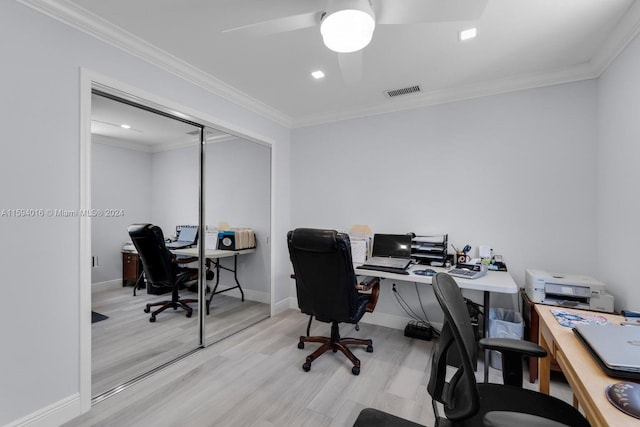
(89, 80)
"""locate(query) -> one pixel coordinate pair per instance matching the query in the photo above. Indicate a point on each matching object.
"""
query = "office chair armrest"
(512, 352)
(525, 348)
(367, 283)
(370, 284)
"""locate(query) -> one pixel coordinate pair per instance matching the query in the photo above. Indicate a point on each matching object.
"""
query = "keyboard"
(466, 273)
(387, 269)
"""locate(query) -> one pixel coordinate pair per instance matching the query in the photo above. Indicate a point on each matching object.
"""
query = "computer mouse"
(426, 272)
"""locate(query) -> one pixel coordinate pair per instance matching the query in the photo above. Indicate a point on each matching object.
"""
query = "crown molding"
(121, 143)
(477, 90)
(626, 30)
(155, 148)
(79, 18)
(89, 23)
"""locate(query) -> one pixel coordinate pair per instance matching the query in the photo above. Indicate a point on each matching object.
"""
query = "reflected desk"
(587, 380)
(214, 255)
(493, 281)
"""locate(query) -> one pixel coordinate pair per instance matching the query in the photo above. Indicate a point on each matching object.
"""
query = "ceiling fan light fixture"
(350, 28)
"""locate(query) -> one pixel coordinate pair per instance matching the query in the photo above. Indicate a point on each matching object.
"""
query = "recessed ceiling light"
(467, 34)
(318, 74)
(125, 126)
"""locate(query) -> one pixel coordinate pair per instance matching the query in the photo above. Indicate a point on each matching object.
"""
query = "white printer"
(567, 290)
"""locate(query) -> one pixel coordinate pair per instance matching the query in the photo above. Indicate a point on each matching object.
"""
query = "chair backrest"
(459, 395)
(156, 258)
(325, 278)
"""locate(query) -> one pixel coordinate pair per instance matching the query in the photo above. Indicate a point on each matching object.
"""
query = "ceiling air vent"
(392, 93)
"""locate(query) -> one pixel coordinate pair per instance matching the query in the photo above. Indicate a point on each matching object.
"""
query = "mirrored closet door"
(176, 175)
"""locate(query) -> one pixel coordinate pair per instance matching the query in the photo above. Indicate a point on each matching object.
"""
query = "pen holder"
(462, 258)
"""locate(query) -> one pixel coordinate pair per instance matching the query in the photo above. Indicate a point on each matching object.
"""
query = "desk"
(587, 380)
(493, 281)
(216, 254)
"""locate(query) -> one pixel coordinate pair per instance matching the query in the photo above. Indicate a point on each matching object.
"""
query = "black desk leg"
(235, 276)
(486, 334)
(138, 282)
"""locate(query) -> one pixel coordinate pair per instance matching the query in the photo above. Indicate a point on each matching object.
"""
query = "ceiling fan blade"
(418, 11)
(351, 66)
(280, 25)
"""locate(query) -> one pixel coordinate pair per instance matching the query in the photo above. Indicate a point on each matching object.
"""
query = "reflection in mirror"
(150, 173)
(237, 204)
(133, 152)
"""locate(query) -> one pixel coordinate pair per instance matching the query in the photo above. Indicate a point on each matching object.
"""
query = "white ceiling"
(520, 44)
(148, 131)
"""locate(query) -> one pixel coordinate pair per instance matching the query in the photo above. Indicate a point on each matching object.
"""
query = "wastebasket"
(504, 323)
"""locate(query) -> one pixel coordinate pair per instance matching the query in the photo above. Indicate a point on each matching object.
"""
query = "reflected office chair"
(466, 402)
(328, 290)
(161, 267)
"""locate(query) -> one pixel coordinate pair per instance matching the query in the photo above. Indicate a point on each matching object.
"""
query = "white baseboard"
(375, 318)
(285, 304)
(53, 415)
(249, 294)
(388, 320)
(108, 283)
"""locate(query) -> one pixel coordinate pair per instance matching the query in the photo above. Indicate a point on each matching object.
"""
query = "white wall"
(40, 168)
(237, 191)
(175, 183)
(513, 171)
(618, 176)
(121, 179)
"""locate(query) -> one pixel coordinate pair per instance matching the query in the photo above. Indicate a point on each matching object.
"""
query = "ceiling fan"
(347, 26)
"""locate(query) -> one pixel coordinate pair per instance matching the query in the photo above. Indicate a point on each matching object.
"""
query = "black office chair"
(161, 267)
(466, 402)
(328, 290)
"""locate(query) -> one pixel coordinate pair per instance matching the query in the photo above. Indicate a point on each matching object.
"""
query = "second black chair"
(468, 403)
(161, 267)
(327, 289)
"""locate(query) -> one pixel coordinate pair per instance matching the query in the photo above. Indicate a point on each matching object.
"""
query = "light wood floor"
(254, 378)
(127, 345)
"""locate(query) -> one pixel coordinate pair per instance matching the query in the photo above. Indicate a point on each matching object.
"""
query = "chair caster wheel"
(301, 345)
(369, 349)
(152, 319)
(147, 309)
(188, 314)
(355, 370)
(306, 367)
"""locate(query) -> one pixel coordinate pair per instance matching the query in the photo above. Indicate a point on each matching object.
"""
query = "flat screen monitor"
(392, 245)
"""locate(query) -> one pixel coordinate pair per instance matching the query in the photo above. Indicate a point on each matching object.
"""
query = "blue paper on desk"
(571, 319)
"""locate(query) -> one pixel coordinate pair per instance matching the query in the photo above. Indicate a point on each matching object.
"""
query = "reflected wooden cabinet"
(131, 268)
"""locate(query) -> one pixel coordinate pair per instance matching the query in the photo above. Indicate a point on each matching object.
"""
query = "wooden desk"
(587, 380)
(493, 281)
(532, 332)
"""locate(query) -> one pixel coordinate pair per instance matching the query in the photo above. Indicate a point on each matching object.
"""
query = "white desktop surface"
(212, 253)
(493, 281)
